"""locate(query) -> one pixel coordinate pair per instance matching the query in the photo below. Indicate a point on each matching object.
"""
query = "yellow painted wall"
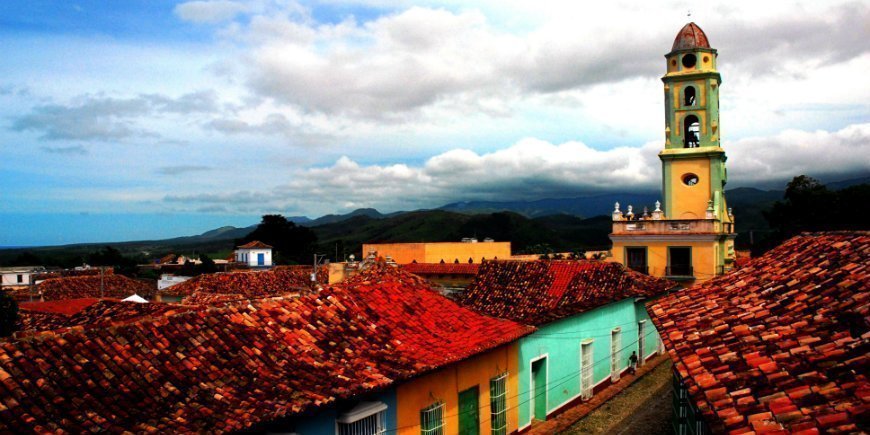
(705, 256)
(445, 385)
(689, 202)
(404, 253)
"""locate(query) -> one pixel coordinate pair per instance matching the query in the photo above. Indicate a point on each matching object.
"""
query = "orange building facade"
(469, 396)
(448, 252)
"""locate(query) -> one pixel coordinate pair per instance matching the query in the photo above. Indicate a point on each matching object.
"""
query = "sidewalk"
(567, 418)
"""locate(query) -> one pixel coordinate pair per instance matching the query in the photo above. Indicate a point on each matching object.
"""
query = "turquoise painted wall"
(560, 343)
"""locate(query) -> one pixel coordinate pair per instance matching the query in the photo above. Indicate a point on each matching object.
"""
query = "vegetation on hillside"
(292, 244)
(808, 205)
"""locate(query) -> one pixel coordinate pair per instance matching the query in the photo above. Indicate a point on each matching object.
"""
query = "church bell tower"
(693, 163)
(690, 234)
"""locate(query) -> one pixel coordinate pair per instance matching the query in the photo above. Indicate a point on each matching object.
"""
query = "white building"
(19, 276)
(254, 254)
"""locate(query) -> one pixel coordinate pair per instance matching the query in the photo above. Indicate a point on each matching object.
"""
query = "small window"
(635, 259)
(689, 96)
(367, 418)
(689, 60)
(679, 262)
(498, 404)
(690, 179)
(691, 132)
(20, 279)
(432, 419)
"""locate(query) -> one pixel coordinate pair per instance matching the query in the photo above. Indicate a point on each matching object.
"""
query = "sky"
(152, 118)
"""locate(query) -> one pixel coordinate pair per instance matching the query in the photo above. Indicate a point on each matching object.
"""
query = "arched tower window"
(691, 132)
(689, 96)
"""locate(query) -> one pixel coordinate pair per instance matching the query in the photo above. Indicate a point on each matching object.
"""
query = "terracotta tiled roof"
(538, 292)
(437, 328)
(256, 244)
(250, 284)
(41, 316)
(781, 344)
(65, 273)
(76, 287)
(228, 368)
(65, 307)
(690, 36)
(442, 268)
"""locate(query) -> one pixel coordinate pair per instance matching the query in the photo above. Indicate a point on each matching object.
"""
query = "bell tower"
(690, 234)
(693, 163)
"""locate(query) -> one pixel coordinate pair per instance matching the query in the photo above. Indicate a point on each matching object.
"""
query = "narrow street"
(644, 408)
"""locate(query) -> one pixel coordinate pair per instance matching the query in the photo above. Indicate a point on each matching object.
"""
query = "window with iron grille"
(432, 419)
(367, 418)
(498, 404)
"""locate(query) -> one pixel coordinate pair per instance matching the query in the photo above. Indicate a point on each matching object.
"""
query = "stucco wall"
(445, 385)
(404, 253)
(560, 342)
(706, 255)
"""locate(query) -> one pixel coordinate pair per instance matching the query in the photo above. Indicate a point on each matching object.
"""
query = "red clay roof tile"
(77, 287)
(256, 244)
(538, 292)
(227, 368)
(796, 350)
(442, 268)
(250, 284)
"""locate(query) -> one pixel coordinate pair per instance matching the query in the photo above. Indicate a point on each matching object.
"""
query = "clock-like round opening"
(690, 179)
(689, 60)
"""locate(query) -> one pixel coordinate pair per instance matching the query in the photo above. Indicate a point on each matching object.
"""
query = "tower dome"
(691, 36)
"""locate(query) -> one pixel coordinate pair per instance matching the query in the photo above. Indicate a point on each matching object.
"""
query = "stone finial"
(730, 212)
(617, 214)
(658, 214)
(645, 213)
(710, 211)
(616, 207)
(630, 214)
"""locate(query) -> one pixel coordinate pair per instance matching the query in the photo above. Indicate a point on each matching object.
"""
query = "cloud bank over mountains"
(320, 107)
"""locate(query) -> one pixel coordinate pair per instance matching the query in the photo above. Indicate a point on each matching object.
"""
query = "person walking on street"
(632, 362)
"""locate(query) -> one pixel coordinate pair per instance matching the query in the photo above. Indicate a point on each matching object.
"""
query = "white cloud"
(534, 169)
(210, 11)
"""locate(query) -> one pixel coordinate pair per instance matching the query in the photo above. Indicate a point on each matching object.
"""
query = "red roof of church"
(781, 344)
(229, 368)
(442, 268)
(77, 287)
(538, 292)
(690, 36)
(256, 244)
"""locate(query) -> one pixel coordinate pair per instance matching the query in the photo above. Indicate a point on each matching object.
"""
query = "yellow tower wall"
(690, 201)
(445, 384)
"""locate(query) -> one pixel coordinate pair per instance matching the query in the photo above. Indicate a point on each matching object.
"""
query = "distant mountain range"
(560, 223)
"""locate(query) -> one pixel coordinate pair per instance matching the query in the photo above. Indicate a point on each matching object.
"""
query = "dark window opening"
(690, 179)
(679, 262)
(691, 132)
(689, 96)
(636, 259)
(689, 60)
